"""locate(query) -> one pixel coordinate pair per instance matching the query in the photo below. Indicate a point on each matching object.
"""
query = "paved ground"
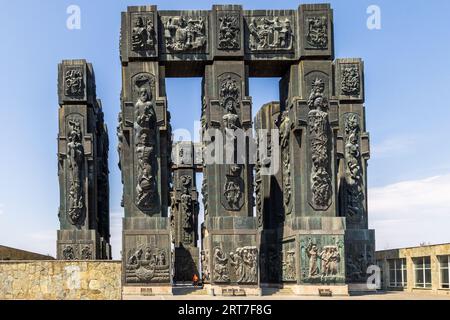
(375, 296)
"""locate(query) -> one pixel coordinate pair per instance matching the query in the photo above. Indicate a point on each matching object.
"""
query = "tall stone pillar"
(184, 213)
(82, 166)
(269, 192)
(229, 239)
(354, 152)
(144, 135)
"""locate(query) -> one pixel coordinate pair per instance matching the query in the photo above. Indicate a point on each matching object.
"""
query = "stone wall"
(60, 280)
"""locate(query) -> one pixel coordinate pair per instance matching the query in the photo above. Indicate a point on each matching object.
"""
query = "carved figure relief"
(258, 185)
(205, 195)
(322, 260)
(353, 169)
(75, 163)
(147, 264)
(145, 148)
(319, 132)
(229, 32)
(68, 253)
(268, 34)
(350, 82)
(317, 32)
(184, 34)
(221, 272)
(86, 253)
(358, 259)
(245, 264)
(186, 211)
(74, 82)
(233, 189)
(206, 275)
(285, 133)
(143, 36)
(289, 271)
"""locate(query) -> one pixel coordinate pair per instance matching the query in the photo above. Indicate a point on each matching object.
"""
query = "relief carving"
(184, 34)
(350, 82)
(186, 210)
(245, 264)
(285, 133)
(143, 36)
(233, 189)
(75, 162)
(353, 169)
(68, 253)
(206, 274)
(319, 132)
(221, 272)
(289, 271)
(86, 253)
(270, 34)
(229, 32)
(74, 82)
(322, 260)
(145, 133)
(317, 32)
(147, 264)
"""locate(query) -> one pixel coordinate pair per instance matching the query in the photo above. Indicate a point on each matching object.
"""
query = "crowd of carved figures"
(243, 262)
(184, 34)
(75, 162)
(321, 187)
(145, 133)
(350, 83)
(270, 34)
(146, 264)
(353, 169)
(328, 257)
(74, 82)
(143, 34)
(229, 32)
(317, 32)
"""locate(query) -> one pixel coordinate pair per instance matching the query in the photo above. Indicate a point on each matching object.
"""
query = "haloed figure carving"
(145, 150)
(75, 161)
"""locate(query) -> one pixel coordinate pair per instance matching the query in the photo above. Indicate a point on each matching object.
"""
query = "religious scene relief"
(354, 183)
(75, 164)
(74, 82)
(220, 266)
(147, 264)
(185, 34)
(270, 33)
(319, 135)
(229, 32)
(350, 81)
(143, 35)
(317, 32)
(322, 260)
(145, 149)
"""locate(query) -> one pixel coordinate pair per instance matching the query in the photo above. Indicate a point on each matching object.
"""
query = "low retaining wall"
(60, 280)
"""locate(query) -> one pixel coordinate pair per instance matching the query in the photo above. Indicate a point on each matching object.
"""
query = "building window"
(422, 271)
(444, 267)
(397, 273)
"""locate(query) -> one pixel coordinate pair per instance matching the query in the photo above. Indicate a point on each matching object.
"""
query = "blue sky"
(407, 76)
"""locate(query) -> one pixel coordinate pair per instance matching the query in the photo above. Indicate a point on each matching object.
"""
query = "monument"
(82, 166)
(305, 176)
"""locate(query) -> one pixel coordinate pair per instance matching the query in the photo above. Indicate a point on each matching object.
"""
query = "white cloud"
(394, 146)
(1, 209)
(410, 212)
